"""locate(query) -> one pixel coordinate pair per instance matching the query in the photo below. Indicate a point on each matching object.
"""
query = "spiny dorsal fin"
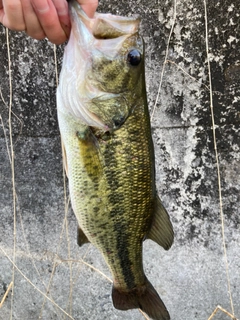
(161, 230)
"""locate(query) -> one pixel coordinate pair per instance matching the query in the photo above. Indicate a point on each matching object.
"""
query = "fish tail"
(144, 297)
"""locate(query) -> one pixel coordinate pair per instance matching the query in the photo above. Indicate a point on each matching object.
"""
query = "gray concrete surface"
(191, 277)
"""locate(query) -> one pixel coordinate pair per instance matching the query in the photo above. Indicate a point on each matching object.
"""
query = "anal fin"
(161, 230)
(81, 237)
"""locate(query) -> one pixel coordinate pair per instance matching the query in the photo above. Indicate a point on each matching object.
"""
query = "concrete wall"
(191, 277)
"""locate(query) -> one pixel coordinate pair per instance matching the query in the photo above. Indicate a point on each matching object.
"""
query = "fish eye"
(134, 57)
(118, 120)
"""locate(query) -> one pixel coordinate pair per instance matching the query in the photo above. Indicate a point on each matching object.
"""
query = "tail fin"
(144, 297)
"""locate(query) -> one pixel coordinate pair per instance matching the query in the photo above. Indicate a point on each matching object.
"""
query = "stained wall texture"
(192, 69)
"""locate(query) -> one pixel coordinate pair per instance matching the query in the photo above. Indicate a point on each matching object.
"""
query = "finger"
(63, 15)
(33, 26)
(48, 18)
(12, 15)
(89, 6)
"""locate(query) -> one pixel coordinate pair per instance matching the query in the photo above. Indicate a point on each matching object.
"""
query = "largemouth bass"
(108, 152)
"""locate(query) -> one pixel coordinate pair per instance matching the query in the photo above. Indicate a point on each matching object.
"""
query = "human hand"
(42, 18)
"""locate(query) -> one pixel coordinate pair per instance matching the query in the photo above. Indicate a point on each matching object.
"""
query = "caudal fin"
(144, 297)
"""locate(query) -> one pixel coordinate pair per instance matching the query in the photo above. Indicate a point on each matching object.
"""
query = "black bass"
(108, 152)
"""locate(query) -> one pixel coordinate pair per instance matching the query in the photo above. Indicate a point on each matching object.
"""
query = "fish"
(108, 152)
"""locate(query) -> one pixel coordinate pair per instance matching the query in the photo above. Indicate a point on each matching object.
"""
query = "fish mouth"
(106, 27)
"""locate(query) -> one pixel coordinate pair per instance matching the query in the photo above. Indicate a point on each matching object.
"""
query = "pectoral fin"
(161, 230)
(81, 237)
(91, 158)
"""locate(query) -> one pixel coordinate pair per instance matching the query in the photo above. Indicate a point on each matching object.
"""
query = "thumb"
(89, 6)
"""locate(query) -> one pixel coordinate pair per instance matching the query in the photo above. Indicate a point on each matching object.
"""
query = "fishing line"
(217, 157)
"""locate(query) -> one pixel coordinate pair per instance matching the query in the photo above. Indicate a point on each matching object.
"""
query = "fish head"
(115, 77)
(102, 72)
